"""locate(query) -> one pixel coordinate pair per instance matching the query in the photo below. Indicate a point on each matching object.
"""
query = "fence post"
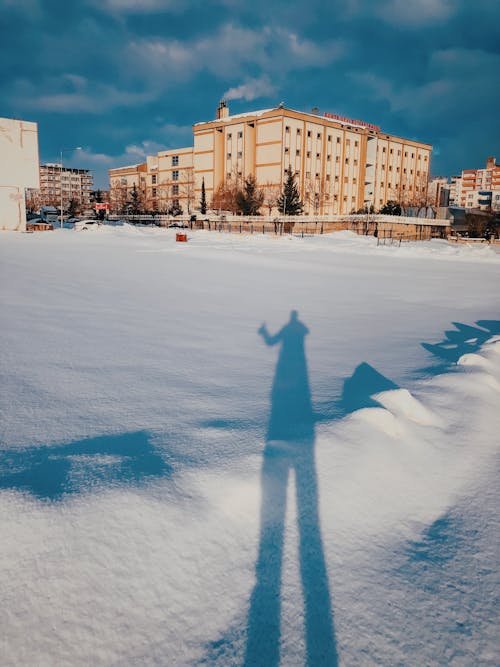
(263, 229)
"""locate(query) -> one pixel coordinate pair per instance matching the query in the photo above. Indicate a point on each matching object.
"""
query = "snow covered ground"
(182, 486)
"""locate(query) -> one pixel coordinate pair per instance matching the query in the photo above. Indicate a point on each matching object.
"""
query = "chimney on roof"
(222, 110)
(491, 162)
(315, 111)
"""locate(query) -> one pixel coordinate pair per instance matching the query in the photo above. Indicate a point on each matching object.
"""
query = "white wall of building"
(18, 170)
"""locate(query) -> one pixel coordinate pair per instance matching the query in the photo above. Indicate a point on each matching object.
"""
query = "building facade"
(480, 188)
(170, 184)
(59, 185)
(341, 165)
(121, 185)
(18, 170)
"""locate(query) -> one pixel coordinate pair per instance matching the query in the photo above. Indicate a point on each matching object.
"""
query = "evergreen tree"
(289, 202)
(250, 198)
(203, 201)
(391, 208)
(135, 201)
(73, 207)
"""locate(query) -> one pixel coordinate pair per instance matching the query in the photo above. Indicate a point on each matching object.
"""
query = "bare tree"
(271, 192)
(225, 196)
(315, 194)
(33, 200)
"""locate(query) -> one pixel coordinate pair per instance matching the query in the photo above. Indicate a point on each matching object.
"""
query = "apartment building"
(75, 184)
(480, 188)
(341, 165)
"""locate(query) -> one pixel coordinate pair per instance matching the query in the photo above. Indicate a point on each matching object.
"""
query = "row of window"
(154, 177)
(318, 135)
(391, 152)
(229, 136)
(175, 191)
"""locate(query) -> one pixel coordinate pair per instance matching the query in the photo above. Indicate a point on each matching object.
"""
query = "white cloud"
(229, 53)
(251, 90)
(138, 6)
(70, 93)
(415, 12)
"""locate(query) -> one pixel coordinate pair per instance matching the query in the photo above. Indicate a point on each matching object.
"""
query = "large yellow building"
(341, 165)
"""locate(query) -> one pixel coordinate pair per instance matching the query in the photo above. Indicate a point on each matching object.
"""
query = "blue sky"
(124, 78)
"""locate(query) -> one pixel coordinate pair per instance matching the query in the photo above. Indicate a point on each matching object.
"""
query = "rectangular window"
(337, 158)
(229, 156)
(175, 175)
(175, 160)
(287, 128)
(286, 149)
(297, 152)
(308, 154)
(153, 179)
(328, 158)
(154, 192)
(240, 135)
(318, 136)
(329, 137)
(240, 154)
(338, 140)
(317, 155)
(229, 136)
(356, 143)
(308, 133)
(175, 189)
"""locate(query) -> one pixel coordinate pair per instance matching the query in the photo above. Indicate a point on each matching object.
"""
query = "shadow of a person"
(290, 446)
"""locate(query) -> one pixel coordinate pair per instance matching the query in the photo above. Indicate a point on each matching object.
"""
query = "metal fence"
(385, 227)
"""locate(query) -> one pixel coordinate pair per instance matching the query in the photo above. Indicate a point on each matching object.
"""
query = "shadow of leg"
(263, 642)
(320, 640)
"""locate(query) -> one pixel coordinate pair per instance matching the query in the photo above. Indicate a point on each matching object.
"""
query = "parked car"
(177, 225)
(86, 223)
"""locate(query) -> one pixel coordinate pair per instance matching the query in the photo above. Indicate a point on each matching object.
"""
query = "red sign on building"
(101, 206)
(351, 121)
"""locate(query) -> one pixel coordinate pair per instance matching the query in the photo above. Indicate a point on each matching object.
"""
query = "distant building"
(341, 164)
(18, 170)
(479, 188)
(121, 183)
(170, 182)
(75, 183)
(438, 192)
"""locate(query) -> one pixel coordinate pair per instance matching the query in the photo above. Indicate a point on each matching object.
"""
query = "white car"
(86, 223)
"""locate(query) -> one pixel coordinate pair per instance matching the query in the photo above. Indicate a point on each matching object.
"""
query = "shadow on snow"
(51, 473)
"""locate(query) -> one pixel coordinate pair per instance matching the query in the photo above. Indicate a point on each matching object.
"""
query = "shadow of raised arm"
(268, 339)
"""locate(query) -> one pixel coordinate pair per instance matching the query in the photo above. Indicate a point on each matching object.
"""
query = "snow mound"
(402, 404)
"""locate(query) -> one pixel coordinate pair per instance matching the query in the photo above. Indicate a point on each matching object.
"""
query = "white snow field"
(181, 485)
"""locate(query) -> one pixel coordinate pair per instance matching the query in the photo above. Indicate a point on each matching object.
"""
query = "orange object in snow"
(181, 237)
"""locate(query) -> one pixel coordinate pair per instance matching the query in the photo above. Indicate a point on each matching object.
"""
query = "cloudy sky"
(124, 78)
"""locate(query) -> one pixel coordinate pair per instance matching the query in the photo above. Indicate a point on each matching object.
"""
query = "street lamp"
(65, 150)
